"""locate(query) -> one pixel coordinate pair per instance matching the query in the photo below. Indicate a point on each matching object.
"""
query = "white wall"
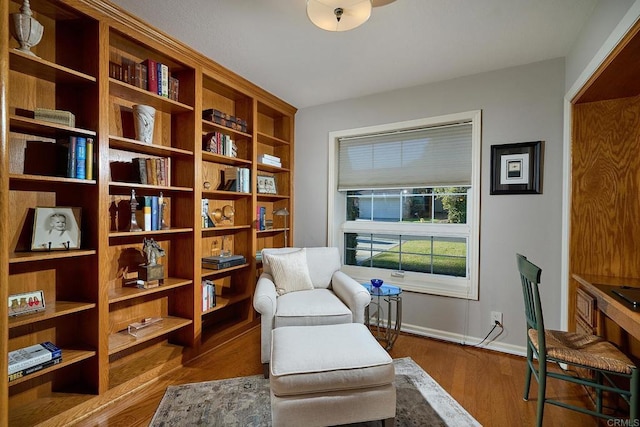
(593, 35)
(518, 104)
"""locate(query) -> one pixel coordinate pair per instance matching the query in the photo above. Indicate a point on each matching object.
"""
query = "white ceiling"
(405, 43)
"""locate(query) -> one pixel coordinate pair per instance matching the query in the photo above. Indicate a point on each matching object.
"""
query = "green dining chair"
(605, 361)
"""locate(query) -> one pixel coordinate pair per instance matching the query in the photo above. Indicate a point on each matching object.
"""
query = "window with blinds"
(404, 203)
(434, 156)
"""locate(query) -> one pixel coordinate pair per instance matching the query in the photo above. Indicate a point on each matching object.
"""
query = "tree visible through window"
(425, 254)
(404, 203)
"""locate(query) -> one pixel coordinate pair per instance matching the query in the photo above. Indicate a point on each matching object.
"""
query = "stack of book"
(60, 117)
(31, 359)
(219, 262)
(208, 295)
(268, 159)
(223, 119)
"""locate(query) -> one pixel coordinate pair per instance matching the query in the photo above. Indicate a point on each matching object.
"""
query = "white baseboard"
(462, 339)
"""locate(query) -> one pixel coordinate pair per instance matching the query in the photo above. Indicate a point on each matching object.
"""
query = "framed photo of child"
(56, 229)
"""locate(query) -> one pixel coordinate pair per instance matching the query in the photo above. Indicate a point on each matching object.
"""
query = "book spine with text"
(71, 164)
(81, 157)
(155, 216)
(89, 161)
(147, 213)
(17, 375)
(31, 356)
(152, 75)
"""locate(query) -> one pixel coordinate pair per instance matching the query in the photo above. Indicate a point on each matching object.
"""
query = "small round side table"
(385, 331)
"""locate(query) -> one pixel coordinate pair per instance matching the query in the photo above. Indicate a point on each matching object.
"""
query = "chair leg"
(389, 422)
(527, 374)
(542, 386)
(634, 398)
(599, 392)
(265, 370)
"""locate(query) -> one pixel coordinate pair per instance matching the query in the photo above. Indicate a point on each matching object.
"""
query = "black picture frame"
(517, 168)
(56, 228)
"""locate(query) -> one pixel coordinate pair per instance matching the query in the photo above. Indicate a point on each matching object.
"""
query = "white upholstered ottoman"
(330, 375)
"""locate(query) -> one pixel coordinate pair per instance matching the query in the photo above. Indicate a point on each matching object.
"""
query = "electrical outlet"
(496, 316)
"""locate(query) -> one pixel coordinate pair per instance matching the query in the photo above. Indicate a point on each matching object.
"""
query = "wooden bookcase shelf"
(152, 149)
(71, 356)
(45, 70)
(20, 257)
(121, 341)
(87, 307)
(127, 293)
(51, 311)
(46, 129)
(141, 96)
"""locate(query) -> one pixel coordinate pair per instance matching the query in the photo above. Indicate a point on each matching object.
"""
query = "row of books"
(237, 179)
(263, 222)
(149, 212)
(152, 170)
(219, 143)
(224, 119)
(31, 359)
(71, 157)
(149, 75)
(207, 222)
(219, 262)
(208, 295)
(268, 159)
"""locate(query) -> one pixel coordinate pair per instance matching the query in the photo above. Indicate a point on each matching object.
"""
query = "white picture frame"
(26, 303)
(267, 185)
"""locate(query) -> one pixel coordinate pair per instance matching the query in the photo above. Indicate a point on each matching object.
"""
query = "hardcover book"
(89, 161)
(24, 372)
(221, 265)
(221, 259)
(55, 116)
(28, 357)
(71, 164)
(81, 157)
(152, 75)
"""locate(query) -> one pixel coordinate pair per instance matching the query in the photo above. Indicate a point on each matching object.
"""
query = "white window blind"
(434, 156)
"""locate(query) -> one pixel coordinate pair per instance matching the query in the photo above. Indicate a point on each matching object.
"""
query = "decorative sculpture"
(151, 270)
(134, 205)
(26, 29)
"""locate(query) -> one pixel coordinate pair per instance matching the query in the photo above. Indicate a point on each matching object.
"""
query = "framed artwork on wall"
(516, 168)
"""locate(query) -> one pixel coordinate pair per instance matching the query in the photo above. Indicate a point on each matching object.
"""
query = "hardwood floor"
(487, 384)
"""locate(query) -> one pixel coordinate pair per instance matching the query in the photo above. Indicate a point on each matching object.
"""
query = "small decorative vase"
(143, 121)
(376, 283)
(26, 29)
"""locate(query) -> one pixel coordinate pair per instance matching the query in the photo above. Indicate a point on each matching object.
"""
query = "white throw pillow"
(290, 271)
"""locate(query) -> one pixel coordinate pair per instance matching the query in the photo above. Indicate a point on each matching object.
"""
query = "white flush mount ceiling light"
(338, 15)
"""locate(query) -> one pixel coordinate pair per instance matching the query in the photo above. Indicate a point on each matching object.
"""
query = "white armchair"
(330, 298)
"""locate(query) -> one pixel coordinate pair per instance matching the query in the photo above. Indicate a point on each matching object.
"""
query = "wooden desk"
(600, 288)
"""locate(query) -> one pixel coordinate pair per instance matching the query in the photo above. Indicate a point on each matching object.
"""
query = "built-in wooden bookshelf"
(88, 308)
(605, 189)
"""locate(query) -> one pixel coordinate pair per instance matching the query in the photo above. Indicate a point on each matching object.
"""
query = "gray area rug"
(245, 401)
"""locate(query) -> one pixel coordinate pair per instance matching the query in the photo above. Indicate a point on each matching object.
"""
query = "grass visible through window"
(449, 257)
